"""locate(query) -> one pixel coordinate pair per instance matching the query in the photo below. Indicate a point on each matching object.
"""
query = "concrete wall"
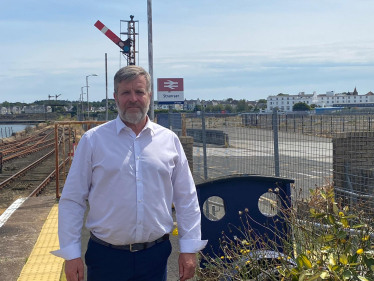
(212, 136)
(353, 164)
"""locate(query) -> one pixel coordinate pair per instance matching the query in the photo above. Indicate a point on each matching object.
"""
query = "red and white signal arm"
(170, 90)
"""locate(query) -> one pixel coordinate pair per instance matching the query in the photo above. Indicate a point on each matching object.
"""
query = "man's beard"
(133, 117)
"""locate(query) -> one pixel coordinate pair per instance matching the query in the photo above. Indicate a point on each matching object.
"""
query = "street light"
(81, 95)
(88, 112)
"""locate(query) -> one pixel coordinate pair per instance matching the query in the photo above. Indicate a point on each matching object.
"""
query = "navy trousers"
(107, 264)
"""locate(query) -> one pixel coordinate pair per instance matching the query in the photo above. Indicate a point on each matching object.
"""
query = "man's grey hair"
(129, 73)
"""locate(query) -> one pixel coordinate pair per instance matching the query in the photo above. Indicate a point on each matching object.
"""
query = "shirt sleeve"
(72, 205)
(186, 205)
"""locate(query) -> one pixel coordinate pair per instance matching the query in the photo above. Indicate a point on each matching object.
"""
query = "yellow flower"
(228, 257)
(236, 267)
(222, 257)
(175, 232)
(308, 252)
(360, 251)
(341, 214)
(247, 262)
(366, 238)
(288, 258)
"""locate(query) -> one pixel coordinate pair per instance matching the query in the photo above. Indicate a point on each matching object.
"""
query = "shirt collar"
(120, 125)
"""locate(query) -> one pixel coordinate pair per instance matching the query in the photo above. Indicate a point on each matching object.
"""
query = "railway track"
(32, 179)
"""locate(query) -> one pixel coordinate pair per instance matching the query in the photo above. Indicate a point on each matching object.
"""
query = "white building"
(3, 110)
(352, 99)
(330, 99)
(286, 102)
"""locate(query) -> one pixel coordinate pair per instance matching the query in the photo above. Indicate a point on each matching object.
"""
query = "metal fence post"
(302, 124)
(170, 112)
(369, 124)
(276, 148)
(204, 143)
(1, 162)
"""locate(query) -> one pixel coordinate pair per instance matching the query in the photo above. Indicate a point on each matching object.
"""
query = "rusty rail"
(29, 167)
(24, 170)
(41, 186)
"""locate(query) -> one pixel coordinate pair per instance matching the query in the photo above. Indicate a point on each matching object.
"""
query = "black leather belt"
(132, 247)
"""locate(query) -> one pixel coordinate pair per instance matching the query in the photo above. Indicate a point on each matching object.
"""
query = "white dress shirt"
(130, 182)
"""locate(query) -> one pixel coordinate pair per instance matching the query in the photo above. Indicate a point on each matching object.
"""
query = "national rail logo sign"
(170, 90)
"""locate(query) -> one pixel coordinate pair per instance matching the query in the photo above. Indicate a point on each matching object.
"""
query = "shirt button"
(138, 179)
(140, 201)
(137, 157)
(139, 222)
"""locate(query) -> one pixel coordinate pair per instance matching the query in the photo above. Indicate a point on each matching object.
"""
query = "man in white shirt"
(131, 171)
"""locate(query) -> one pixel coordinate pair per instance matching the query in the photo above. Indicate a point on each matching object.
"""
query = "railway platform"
(30, 233)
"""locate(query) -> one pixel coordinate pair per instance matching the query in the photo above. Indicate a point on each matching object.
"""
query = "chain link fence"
(315, 150)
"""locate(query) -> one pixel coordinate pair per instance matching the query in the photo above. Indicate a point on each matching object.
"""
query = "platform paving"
(20, 233)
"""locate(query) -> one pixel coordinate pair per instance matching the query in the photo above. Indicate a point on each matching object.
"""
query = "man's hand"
(74, 270)
(187, 264)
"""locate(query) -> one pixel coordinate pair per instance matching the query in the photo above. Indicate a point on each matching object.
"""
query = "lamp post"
(88, 111)
(82, 102)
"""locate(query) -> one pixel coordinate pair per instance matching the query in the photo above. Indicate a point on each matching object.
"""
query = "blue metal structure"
(238, 193)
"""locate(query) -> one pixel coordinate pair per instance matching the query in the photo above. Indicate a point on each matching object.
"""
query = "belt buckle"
(131, 250)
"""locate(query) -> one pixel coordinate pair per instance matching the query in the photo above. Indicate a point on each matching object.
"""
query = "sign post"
(170, 90)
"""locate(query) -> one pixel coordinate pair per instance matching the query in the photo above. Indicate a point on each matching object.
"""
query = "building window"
(282, 102)
(276, 102)
(287, 98)
(327, 102)
(277, 98)
(282, 98)
(288, 102)
(337, 98)
(271, 107)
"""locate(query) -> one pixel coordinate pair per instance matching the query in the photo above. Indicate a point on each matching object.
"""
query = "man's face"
(133, 100)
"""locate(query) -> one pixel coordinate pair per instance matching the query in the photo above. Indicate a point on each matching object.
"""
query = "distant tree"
(242, 106)
(209, 108)
(229, 99)
(218, 107)
(250, 107)
(256, 109)
(229, 108)
(59, 109)
(262, 101)
(313, 105)
(197, 108)
(301, 106)
(5, 104)
(281, 94)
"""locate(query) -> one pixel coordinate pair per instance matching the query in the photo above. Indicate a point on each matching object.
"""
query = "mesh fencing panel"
(315, 150)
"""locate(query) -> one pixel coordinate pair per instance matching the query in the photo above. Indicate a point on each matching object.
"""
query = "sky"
(240, 49)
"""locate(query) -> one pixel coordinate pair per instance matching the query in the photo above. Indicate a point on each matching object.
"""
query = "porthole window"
(269, 204)
(214, 208)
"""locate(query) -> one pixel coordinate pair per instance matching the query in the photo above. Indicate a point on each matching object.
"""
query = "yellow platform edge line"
(41, 264)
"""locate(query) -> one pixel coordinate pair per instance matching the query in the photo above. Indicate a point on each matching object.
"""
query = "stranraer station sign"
(170, 90)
